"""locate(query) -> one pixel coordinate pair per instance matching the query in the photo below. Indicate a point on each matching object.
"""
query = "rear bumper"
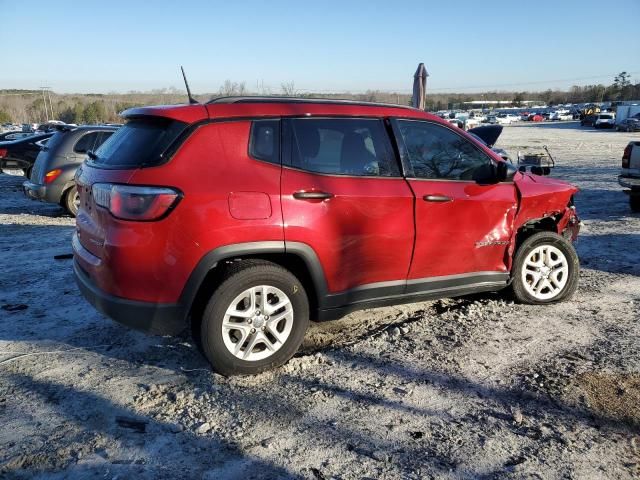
(154, 318)
(51, 194)
(629, 182)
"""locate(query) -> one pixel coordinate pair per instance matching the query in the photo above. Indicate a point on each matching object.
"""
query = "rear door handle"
(437, 198)
(313, 195)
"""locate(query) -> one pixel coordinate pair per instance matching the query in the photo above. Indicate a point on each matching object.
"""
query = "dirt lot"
(474, 387)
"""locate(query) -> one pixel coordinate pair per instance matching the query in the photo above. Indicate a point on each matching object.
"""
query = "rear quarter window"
(85, 143)
(264, 142)
(139, 143)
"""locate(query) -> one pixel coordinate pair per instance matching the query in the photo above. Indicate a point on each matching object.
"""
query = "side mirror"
(505, 172)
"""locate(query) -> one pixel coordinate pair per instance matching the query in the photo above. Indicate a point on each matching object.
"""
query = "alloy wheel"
(257, 323)
(545, 272)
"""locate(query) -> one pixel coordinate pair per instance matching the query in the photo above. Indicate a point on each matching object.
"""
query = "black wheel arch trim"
(383, 293)
(228, 252)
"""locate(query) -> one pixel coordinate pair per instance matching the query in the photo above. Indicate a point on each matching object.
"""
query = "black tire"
(237, 279)
(634, 202)
(69, 201)
(537, 240)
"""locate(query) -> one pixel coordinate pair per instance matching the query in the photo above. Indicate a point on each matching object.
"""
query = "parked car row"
(51, 179)
(22, 153)
(599, 120)
(50, 160)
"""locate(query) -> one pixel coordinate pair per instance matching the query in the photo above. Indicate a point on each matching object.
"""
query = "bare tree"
(229, 88)
(288, 89)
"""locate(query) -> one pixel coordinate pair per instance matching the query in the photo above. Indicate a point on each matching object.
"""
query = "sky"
(328, 46)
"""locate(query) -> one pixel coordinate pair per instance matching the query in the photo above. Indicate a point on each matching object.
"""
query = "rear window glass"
(140, 142)
(55, 141)
(86, 142)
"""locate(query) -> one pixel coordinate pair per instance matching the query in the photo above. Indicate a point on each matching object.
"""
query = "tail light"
(131, 202)
(52, 175)
(626, 156)
(3, 152)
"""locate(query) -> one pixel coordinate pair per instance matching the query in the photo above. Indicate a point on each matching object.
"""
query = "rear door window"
(341, 146)
(139, 143)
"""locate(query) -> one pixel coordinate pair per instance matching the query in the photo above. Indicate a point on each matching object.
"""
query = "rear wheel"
(71, 201)
(634, 202)
(255, 320)
(545, 269)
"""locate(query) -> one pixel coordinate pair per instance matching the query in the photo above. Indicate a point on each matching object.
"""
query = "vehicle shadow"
(148, 448)
(153, 445)
(603, 205)
(538, 405)
(590, 248)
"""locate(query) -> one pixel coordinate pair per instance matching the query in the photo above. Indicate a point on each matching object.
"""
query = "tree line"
(29, 106)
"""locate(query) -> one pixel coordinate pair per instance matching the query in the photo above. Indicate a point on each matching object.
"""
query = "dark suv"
(245, 217)
(52, 176)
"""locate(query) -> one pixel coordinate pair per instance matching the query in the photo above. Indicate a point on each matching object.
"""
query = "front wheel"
(545, 269)
(255, 320)
(634, 202)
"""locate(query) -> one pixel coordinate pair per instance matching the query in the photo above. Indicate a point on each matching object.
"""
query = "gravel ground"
(473, 387)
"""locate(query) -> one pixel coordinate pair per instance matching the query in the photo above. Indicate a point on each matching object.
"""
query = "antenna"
(186, 84)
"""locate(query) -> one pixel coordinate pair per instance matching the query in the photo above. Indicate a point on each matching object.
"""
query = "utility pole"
(46, 94)
(44, 101)
(53, 115)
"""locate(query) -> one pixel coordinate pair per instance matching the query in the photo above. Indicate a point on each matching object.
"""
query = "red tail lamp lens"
(130, 202)
(52, 175)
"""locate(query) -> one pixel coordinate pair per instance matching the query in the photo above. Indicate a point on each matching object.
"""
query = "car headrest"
(308, 138)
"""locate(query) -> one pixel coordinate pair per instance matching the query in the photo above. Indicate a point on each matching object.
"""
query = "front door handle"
(437, 198)
(313, 195)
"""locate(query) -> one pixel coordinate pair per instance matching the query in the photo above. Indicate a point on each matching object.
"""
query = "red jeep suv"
(246, 217)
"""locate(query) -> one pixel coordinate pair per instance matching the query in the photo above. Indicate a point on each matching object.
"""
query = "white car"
(605, 120)
(505, 119)
(561, 115)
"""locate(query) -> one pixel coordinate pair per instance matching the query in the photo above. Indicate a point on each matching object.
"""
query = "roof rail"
(274, 99)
